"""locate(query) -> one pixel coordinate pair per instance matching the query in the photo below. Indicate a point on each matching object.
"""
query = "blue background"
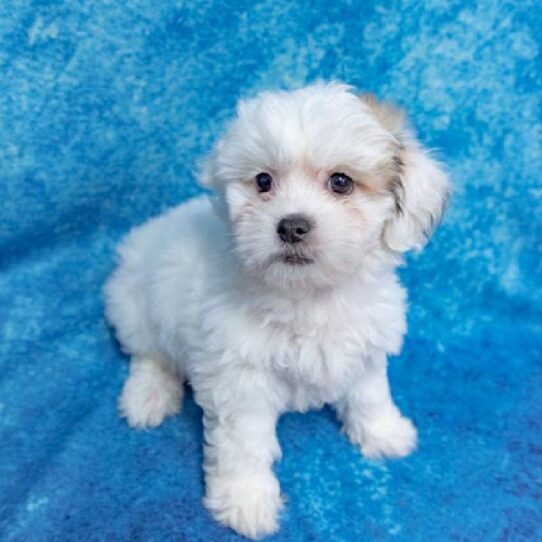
(105, 107)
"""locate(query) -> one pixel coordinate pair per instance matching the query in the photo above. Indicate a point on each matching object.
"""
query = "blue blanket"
(104, 109)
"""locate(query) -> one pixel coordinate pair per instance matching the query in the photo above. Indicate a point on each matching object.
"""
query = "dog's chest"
(316, 354)
(317, 368)
(315, 351)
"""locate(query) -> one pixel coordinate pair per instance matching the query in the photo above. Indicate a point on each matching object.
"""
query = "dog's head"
(313, 180)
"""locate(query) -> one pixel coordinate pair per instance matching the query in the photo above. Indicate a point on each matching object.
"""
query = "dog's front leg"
(370, 417)
(240, 447)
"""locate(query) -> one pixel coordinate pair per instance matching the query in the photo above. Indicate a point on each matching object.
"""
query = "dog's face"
(313, 180)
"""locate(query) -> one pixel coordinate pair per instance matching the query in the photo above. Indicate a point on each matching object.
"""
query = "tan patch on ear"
(388, 115)
(392, 119)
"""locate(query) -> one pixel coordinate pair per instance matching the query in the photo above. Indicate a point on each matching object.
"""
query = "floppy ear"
(420, 185)
(207, 179)
(205, 171)
(421, 190)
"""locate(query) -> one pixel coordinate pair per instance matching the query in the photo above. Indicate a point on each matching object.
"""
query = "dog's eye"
(341, 183)
(264, 182)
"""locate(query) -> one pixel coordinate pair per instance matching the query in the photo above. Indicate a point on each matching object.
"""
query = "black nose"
(293, 228)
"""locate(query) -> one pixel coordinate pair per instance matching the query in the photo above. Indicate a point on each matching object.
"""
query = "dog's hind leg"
(152, 391)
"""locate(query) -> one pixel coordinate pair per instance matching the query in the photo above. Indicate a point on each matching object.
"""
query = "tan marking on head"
(390, 117)
(308, 169)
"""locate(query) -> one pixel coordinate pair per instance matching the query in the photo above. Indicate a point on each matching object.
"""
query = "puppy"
(279, 292)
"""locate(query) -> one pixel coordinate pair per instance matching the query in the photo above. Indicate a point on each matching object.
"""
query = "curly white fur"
(208, 297)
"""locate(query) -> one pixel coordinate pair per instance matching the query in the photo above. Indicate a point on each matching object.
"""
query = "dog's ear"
(419, 184)
(207, 178)
(205, 172)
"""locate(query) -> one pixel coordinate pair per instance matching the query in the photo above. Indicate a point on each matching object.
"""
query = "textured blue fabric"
(104, 109)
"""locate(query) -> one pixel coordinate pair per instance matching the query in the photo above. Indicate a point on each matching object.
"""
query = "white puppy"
(286, 297)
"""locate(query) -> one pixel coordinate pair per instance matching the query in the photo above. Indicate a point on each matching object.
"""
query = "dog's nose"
(293, 228)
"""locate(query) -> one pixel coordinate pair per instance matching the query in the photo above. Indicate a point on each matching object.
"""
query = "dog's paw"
(149, 395)
(390, 435)
(249, 505)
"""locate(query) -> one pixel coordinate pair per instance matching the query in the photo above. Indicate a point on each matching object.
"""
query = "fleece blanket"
(105, 107)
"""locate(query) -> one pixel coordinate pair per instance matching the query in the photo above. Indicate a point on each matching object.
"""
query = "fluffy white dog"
(280, 292)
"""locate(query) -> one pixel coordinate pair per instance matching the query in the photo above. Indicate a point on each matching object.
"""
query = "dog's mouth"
(291, 258)
(296, 259)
